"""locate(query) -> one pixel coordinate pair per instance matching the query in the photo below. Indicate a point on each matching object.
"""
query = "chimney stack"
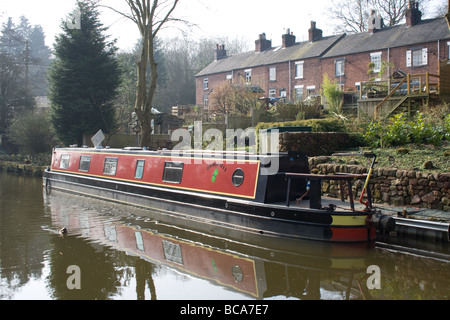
(262, 43)
(413, 15)
(220, 52)
(375, 22)
(314, 33)
(288, 39)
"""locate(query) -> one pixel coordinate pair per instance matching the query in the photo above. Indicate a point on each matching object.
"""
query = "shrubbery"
(32, 133)
(398, 131)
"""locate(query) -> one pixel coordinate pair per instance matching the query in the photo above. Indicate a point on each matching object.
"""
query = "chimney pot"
(314, 33)
(375, 22)
(412, 14)
(220, 52)
(262, 43)
(288, 39)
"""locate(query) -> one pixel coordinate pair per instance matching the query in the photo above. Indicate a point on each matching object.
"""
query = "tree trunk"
(144, 14)
(142, 104)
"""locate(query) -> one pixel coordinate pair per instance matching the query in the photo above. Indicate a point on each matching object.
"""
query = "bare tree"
(352, 15)
(150, 16)
(392, 11)
(446, 13)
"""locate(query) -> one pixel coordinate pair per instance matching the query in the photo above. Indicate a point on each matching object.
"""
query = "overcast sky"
(242, 19)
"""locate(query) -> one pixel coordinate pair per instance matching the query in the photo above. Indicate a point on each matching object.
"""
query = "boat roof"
(178, 153)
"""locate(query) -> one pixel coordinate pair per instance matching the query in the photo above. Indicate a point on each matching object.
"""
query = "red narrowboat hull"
(228, 190)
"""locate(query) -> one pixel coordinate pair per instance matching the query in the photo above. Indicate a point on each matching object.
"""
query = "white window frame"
(420, 53)
(272, 74)
(375, 57)
(272, 93)
(341, 63)
(298, 89)
(448, 44)
(299, 69)
(310, 90)
(205, 83)
(248, 76)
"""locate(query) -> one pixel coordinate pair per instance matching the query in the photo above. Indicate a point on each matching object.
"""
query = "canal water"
(117, 252)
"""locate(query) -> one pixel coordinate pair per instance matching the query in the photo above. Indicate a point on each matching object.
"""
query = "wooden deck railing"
(395, 91)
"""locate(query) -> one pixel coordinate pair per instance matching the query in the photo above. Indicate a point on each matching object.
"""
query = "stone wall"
(392, 186)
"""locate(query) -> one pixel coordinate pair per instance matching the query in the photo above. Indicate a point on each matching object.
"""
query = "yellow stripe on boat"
(344, 220)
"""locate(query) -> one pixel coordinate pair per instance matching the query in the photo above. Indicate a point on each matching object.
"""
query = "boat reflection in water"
(239, 262)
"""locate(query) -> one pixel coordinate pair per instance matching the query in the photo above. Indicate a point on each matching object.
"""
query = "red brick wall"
(356, 67)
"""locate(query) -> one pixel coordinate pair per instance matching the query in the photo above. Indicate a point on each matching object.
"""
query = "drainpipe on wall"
(290, 82)
(439, 49)
(389, 69)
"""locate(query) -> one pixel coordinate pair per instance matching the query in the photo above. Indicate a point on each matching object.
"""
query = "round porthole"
(238, 177)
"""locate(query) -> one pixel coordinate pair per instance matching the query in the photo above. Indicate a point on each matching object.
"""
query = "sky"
(235, 19)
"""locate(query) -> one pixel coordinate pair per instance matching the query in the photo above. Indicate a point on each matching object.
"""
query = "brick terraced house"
(295, 70)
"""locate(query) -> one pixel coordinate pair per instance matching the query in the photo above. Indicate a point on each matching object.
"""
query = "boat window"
(85, 163)
(238, 177)
(110, 166)
(173, 171)
(64, 163)
(139, 241)
(139, 169)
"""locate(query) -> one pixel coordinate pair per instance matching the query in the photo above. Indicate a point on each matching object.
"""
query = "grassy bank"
(418, 157)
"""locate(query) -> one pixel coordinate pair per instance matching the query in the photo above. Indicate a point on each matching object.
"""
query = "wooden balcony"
(383, 98)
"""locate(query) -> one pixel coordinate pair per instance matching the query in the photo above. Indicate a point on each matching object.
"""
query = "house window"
(139, 169)
(299, 70)
(205, 83)
(298, 93)
(85, 163)
(339, 67)
(248, 76)
(205, 100)
(272, 93)
(64, 163)
(173, 171)
(310, 90)
(110, 166)
(273, 74)
(376, 59)
(229, 77)
(417, 57)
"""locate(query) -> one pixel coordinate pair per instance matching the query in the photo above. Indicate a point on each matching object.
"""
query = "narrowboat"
(272, 195)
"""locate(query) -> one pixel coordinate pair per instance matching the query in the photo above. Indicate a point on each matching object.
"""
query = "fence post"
(408, 80)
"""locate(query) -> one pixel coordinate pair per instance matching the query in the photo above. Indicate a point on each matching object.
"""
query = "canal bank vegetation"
(421, 142)
(28, 144)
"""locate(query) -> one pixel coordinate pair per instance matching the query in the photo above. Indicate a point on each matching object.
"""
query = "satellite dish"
(97, 139)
